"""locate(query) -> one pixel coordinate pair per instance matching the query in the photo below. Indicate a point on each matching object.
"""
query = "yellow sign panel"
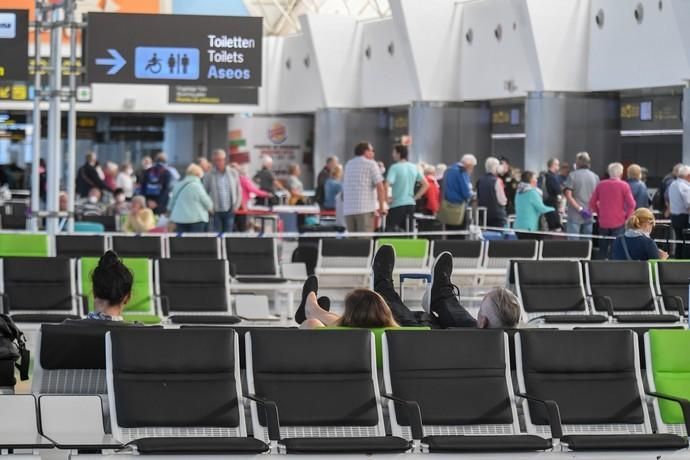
(19, 93)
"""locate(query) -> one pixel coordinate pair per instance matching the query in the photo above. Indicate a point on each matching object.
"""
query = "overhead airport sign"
(14, 48)
(173, 49)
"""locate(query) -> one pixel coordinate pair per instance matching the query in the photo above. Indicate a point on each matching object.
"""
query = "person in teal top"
(189, 203)
(529, 204)
(403, 176)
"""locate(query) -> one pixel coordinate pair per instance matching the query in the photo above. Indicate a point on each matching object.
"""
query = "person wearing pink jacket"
(613, 201)
(248, 188)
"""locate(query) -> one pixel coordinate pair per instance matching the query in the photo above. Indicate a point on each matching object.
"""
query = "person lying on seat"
(383, 307)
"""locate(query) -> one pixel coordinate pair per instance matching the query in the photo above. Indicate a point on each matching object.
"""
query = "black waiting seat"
(553, 291)
(177, 392)
(594, 378)
(194, 291)
(80, 245)
(325, 388)
(664, 232)
(253, 259)
(672, 280)
(624, 290)
(149, 246)
(109, 222)
(39, 289)
(13, 215)
(460, 380)
(565, 249)
(194, 247)
(71, 357)
(241, 331)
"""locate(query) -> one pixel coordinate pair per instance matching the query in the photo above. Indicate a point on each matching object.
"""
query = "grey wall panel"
(561, 124)
(443, 132)
(337, 131)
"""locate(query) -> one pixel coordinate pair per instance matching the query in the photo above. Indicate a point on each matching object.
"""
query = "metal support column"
(54, 163)
(36, 144)
(686, 123)
(70, 9)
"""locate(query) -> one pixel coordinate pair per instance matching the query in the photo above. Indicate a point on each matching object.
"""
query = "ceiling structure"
(281, 16)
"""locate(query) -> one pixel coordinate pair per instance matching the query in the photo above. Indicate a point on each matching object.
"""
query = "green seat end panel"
(24, 245)
(141, 302)
(671, 369)
(406, 248)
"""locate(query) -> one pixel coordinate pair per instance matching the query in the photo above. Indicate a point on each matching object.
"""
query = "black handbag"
(13, 353)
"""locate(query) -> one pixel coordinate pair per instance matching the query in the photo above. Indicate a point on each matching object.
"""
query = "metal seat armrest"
(677, 301)
(272, 419)
(684, 406)
(164, 302)
(607, 300)
(414, 415)
(5, 303)
(553, 413)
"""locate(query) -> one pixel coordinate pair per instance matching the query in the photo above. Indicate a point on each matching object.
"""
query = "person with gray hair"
(578, 189)
(613, 201)
(266, 180)
(679, 204)
(491, 194)
(222, 183)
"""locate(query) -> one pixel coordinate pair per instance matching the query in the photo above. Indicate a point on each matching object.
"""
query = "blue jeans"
(223, 222)
(604, 244)
(196, 227)
(577, 228)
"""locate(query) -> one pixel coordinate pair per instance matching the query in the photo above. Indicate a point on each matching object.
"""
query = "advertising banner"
(287, 140)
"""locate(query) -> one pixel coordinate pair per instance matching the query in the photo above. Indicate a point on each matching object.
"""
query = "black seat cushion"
(575, 319)
(196, 446)
(626, 283)
(204, 319)
(509, 443)
(451, 387)
(346, 445)
(260, 279)
(551, 286)
(156, 370)
(293, 368)
(624, 441)
(43, 318)
(653, 318)
(589, 373)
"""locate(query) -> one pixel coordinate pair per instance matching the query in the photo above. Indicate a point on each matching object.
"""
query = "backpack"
(13, 353)
(153, 178)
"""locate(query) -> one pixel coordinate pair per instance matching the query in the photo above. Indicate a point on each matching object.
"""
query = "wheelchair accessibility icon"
(154, 64)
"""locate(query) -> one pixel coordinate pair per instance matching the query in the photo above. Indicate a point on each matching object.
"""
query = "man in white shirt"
(362, 188)
(679, 205)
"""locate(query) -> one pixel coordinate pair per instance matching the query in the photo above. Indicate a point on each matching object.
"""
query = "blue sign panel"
(166, 63)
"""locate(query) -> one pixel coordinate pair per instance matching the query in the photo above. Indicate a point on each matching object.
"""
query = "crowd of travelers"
(365, 195)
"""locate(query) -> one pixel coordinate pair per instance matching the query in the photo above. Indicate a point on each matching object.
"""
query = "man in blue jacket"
(456, 192)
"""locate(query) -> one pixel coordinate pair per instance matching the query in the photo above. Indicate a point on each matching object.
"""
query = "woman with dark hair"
(112, 288)
(363, 308)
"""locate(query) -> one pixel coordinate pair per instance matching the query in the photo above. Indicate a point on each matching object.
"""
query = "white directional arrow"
(116, 61)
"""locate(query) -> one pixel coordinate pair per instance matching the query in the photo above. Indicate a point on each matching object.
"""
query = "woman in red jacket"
(433, 193)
